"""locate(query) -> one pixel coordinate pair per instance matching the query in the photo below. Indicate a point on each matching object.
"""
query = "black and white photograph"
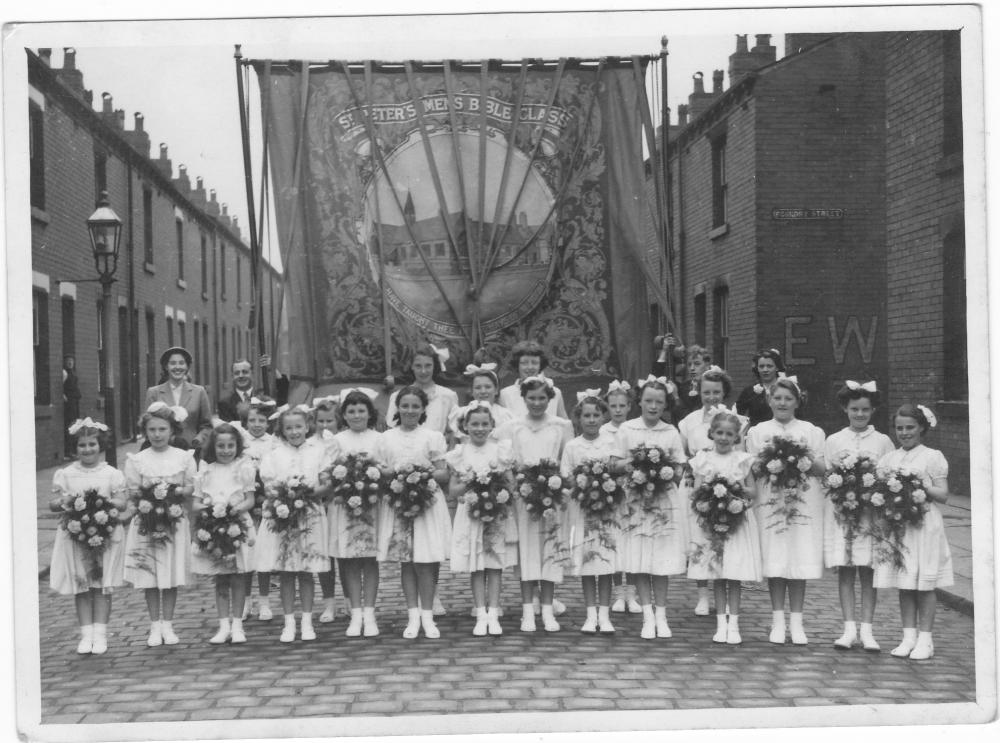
(512, 370)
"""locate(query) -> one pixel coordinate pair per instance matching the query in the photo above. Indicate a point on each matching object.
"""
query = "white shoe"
(237, 636)
(721, 630)
(631, 605)
(733, 636)
(222, 635)
(618, 605)
(604, 625)
(430, 629)
(265, 614)
(701, 608)
(480, 629)
(439, 609)
(846, 641)
(660, 618)
(528, 619)
(306, 631)
(288, 632)
(648, 631)
(169, 636)
(100, 646)
(155, 635)
(86, 645)
(329, 611)
(412, 628)
(558, 607)
(370, 624)
(357, 622)
(909, 642)
(589, 626)
(549, 622)
(493, 621)
(924, 649)
(796, 630)
(868, 641)
(777, 635)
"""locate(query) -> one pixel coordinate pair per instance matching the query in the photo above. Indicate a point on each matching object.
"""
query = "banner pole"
(665, 162)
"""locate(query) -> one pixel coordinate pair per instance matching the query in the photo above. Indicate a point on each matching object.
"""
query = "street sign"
(796, 214)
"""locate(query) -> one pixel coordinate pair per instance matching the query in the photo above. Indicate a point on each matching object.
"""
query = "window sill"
(719, 231)
(149, 267)
(949, 164)
(40, 215)
(182, 283)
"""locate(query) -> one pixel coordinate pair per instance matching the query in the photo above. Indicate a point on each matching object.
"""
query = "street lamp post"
(105, 230)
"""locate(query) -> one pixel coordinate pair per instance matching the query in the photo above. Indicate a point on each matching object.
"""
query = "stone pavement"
(517, 672)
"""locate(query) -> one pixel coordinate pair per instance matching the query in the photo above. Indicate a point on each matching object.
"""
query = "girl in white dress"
(426, 367)
(792, 553)
(325, 411)
(225, 478)
(159, 566)
(420, 544)
(740, 558)
(528, 359)
(536, 436)
(481, 549)
(654, 540)
(713, 386)
(258, 443)
(593, 543)
(619, 401)
(76, 570)
(354, 540)
(855, 556)
(926, 555)
(295, 556)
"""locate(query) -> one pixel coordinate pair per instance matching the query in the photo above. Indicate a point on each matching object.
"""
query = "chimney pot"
(717, 77)
(69, 58)
(45, 54)
(163, 150)
(763, 40)
(225, 210)
(108, 102)
(182, 170)
(741, 44)
(199, 183)
(699, 83)
(138, 121)
(211, 195)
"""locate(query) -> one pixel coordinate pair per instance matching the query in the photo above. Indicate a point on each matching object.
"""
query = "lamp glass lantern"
(105, 228)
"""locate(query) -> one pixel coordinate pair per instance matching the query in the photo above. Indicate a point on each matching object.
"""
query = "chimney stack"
(682, 115)
(182, 181)
(138, 138)
(69, 76)
(198, 194)
(45, 54)
(717, 77)
(699, 100)
(213, 204)
(163, 163)
(108, 104)
(69, 58)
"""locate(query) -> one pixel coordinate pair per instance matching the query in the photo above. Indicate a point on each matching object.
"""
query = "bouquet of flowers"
(220, 530)
(288, 503)
(720, 506)
(653, 472)
(899, 500)
(784, 463)
(357, 484)
(412, 490)
(161, 507)
(849, 482)
(540, 488)
(597, 491)
(486, 495)
(89, 519)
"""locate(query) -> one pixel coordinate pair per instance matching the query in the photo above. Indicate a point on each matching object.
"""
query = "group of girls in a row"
(647, 536)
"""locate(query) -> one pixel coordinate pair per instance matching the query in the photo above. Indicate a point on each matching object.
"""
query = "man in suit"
(233, 402)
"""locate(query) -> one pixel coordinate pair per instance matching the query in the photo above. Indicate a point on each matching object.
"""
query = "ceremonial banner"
(471, 205)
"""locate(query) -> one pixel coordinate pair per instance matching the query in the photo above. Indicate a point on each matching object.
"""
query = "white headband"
(85, 423)
(471, 370)
(366, 391)
(867, 386)
(584, 394)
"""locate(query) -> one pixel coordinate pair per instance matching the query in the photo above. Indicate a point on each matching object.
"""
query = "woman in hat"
(177, 390)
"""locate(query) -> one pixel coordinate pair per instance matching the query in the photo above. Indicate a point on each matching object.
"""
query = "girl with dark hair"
(753, 401)
(528, 359)
(426, 367)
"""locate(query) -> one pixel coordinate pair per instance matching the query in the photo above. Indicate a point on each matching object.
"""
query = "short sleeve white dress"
(356, 536)
(592, 542)
(224, 485)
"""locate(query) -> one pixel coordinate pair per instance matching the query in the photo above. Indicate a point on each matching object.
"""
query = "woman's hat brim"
(165, 356)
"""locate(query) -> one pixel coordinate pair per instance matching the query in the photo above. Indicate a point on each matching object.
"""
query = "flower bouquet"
(653, 471)
(597, 491)
(849, 482)
(540, 488)
(220, 531)
(486, 497)
(357, 484)
(784, 463)
(89, 519)
(160, 507)
(412, 490)
(899, 501)
(720, 506)
(288, 503)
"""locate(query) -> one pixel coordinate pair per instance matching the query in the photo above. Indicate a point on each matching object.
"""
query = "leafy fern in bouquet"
(160, 507)
(220, 530)
(653, 471)
(720, 505)
(900, 502)
(598, 492)
(849, 482)
(540, 488)
(288, 504)
(784, 463)
(412, 490)
(90, 519)
(487, 498)
(357, 484)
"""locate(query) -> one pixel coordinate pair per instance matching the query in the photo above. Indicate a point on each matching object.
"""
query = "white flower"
(234, 530)
(894, 485)
(160, 491)
(294, 482)
(638, 477)
(720, 490)
(396, 486)
(359, 486)
(339, 472)
(758, 389)
(203, 536)
(80, 504)
(735, 506)
(581, 481)
(73, 527)
(598, 468)
(609, 486)
(145, 506)
(654, 455)
(555, 482)
(834, 480)
(281, 510)
(503, 496)
(868, 479)
(525, 490)
(666, 473)
(354, 501)
(413, 478)
(805, 464)
(775, 466)
(703, 506)
(95, 541)
(878, 500)
(373, 473)
(299, 503)
(101, 517)
(176, 511)
(919, 496)
(850, 495)
(219, 510)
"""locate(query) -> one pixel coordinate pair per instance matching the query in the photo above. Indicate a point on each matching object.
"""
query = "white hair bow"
(87, 422)
(793, 378)
(366, 391)
(300, 408)
(329, 398)
(475, 405)
(472, 369)
(258, 403)
(539, 378)
(178, 413)
(443, 354)
(584, 394)
(616, 386)
(931, 418)
(867, 386)
(671, 387)
(714, 369)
